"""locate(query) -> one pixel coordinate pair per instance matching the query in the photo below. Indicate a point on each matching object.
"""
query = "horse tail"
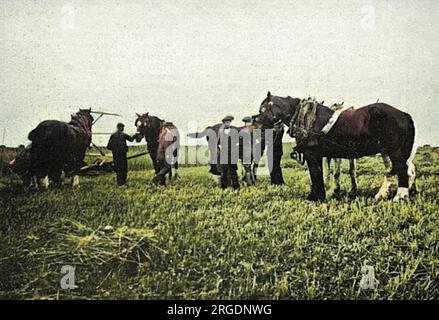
(409, 147)
(409, 150)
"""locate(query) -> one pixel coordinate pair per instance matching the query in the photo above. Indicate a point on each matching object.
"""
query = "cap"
(228, 118)
(120, 125)
(247, 119)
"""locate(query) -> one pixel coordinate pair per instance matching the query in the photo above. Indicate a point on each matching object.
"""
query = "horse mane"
(156, 118)
(82, 120)
(153, 130)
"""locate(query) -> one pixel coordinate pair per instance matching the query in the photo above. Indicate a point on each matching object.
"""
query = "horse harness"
(302, 124)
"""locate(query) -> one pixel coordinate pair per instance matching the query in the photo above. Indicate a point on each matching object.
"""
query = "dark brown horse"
(59, 146)
(163, 143)
(372, 129)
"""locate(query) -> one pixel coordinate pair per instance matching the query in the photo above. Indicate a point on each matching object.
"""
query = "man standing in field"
(246, 149)
(228, 144)
(118, 145)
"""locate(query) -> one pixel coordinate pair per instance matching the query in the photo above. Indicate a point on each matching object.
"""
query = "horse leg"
(401, 169)
(34, 179)
(337, 173)
(176, 175)
(160, 177)
(316, 173)
(44, 182)
(411, 171)
(176, 166)
(33, 182)
(383, 193)
(39, 169)
(328, 173)
(247, 174)
(254, 172)
(55, 176)
(43, 176)
(353, 175)
(153, 155)
(169, 176)
(75, 181)
(155, 164)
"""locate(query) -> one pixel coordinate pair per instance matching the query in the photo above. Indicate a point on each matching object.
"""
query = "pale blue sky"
(189, 61)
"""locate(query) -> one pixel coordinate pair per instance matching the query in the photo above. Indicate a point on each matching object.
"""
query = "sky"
(192, 62)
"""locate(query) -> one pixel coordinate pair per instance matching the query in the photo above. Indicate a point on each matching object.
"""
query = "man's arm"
(130, 138)
(110, 144)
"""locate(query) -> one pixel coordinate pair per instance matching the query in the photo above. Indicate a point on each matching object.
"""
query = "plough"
(105, 165)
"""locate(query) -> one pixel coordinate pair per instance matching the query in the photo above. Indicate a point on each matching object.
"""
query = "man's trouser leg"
(121, 167)
(233, 169)
(224, 176)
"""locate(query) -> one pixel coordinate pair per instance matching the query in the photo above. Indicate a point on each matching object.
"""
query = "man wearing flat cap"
(228, 145)
(246, 149)
(118, 145)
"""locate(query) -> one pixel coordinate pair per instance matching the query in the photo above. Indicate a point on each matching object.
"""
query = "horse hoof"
(337, 193)
(381, 196)
(401, 194)
(398, 199)
(352, 193)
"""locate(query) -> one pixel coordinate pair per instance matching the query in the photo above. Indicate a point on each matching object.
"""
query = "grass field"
(192, 240)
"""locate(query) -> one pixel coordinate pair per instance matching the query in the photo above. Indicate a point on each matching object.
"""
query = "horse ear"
(138, 115)
(268, 95)
(342, 103)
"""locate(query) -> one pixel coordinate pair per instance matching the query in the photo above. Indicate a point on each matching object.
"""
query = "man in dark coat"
(118, 145)
(228, 144)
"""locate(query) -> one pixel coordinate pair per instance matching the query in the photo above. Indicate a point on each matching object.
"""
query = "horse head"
(274, 108)
(143, 125)
(256, 122)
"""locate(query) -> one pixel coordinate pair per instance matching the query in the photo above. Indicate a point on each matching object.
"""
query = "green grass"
(192, 240)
